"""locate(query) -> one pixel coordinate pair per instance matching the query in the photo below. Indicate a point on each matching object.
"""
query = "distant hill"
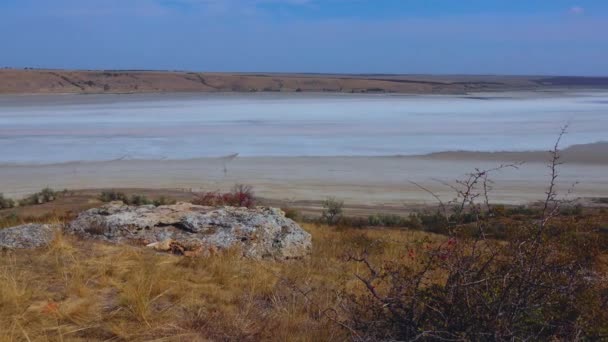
(39, 81)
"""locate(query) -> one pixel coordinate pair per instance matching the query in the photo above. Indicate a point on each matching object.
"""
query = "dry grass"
(80, 290)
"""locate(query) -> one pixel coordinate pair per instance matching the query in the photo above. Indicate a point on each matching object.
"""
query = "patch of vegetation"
(138, 200)
(332, 211)
(6, 203)
(44, 196)
(542, 281)
(158, 296)
(239, 196)
(434, 222)
(292, 213)
(12, 219)
(110, 196)
(601, 200)
(379, 220)
(571, 210)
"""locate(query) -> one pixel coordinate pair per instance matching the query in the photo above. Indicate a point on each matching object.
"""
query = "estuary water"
(45, 129)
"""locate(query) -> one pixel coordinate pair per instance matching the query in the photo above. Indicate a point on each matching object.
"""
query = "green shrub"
(44, 196)
(332, 211)
(6, 203)
(110, 196)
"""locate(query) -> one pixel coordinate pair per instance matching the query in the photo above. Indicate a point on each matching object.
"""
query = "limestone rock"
(27, 236)
(184, 228)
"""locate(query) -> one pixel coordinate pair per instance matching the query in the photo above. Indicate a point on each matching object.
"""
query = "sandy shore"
(357, 180)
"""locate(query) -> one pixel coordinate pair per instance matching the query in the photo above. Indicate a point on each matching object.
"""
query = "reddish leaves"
(239, 196)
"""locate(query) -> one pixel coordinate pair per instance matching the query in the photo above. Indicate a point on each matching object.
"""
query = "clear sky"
(568, 37)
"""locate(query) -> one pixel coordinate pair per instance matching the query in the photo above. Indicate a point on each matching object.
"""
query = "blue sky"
(566, 37)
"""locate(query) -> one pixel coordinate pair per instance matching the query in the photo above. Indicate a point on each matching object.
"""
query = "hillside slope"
(13, 81)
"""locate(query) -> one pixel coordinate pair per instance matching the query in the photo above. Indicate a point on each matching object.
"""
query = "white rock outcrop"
(184, 228)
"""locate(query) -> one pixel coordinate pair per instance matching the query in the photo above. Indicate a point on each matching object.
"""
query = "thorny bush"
(539, 283)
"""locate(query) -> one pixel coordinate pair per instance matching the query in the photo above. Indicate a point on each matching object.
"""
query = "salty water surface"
(43, 129)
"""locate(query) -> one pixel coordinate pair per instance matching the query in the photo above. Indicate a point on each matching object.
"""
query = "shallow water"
(59, 128)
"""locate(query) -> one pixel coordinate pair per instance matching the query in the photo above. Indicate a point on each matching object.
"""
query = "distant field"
(38, 81)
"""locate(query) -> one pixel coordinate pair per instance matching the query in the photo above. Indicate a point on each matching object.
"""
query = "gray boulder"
(184, 228)
(27, 236)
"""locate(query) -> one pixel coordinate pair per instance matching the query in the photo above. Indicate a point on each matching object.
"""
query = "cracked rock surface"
(184, 228)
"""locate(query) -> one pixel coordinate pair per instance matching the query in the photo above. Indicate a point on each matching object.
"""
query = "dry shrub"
(542, 282)
(292, 213)
(11, 219)
(239, 196)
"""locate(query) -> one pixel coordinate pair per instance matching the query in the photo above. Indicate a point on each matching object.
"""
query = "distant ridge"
(49, 81)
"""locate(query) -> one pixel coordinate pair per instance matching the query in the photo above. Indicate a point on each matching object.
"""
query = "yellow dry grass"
(81, 291)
